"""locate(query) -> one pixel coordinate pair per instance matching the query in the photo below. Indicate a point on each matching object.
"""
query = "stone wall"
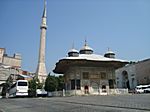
(12, 61)
(96, 82)
(2, 50)
(138, 74)
(131, 72)
(143, 72)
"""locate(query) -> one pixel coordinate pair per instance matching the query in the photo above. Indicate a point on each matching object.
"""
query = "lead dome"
(86, 49)
(73, 52)
(109, 54)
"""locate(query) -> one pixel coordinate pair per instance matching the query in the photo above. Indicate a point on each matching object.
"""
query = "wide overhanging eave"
(63, 65)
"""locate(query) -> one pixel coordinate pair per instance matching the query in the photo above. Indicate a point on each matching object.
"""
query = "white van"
(142, 88)
(20, 88)
(147, 90)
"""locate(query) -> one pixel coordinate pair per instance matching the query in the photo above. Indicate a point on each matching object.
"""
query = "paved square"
(116, 103)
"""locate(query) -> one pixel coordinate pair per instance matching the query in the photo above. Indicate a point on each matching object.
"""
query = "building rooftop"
(73, 50)
(87, 58)
(93, 57)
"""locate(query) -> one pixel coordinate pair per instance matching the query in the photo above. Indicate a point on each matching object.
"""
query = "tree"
(7, 85)
(32, 87)
(34, 84)
(51, 83)
(9, 81)
(4, 89)
(60, 83)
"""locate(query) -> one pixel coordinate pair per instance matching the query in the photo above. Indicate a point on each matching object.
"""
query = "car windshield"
(22, 83)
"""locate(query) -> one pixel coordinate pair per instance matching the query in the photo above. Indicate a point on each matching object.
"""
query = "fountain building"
(89, 73)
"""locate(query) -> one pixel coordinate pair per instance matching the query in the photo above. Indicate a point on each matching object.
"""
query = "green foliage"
(51, 83)
(60, 83)
(33, 85)
(54, 83)
(39, 85)
(7, 85)
(9, 81)
(5, 89)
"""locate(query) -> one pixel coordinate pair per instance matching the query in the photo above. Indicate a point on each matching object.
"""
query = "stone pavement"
(137, 101)
(116, 103)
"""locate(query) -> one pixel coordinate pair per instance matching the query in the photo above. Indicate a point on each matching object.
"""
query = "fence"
(80, 92)
(118, 91)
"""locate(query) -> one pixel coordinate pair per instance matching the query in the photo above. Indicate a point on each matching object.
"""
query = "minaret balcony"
(43, 26)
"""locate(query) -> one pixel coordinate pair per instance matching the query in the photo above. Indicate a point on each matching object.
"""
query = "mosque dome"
(86, 49)
(73, 52)
(109, 54)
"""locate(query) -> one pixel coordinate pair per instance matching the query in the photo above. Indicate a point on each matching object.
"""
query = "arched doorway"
(104, 88)
(86, 89)
(95, 87)
(125, 80)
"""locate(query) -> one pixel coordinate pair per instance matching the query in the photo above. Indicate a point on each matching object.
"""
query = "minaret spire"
(41, 68)
(44, 11)
(43, 24)
(85, 42)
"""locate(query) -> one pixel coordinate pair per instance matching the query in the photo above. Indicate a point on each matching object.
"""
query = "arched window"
(103, 88)
(125, 80)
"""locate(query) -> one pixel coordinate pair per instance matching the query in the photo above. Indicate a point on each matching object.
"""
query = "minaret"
(41, 68)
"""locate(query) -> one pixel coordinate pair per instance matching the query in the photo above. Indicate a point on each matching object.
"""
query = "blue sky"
(122, 25)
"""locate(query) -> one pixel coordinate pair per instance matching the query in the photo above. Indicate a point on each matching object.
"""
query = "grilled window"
(85, 75)
(103, 75)
(78, 84)
(72, 84)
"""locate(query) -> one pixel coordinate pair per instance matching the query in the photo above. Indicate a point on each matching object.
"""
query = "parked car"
(147, 90)
(142, 89)
(41, 92)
